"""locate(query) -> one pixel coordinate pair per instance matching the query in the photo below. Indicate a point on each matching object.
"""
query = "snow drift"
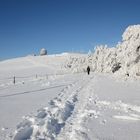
(122, 59)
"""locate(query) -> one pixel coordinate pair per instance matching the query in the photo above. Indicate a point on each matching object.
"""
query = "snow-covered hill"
(52, 97)
(38, 79)
(35, 64)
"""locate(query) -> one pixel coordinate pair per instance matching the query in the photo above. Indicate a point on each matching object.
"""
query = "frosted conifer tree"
(43, 52)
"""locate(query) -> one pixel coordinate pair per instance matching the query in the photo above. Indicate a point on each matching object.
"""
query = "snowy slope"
(37, 80)
(92, 107)
(53, 98)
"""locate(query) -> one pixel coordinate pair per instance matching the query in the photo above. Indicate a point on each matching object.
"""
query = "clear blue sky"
(26, 26)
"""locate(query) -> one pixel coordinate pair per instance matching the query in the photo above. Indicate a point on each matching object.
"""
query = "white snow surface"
(53, 98)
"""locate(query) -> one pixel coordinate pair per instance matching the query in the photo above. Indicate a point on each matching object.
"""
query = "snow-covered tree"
(43, 52)
(124, 59)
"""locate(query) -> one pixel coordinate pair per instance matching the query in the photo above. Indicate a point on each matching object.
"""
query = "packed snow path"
(86, 108)
(48, 125)
(26, 98)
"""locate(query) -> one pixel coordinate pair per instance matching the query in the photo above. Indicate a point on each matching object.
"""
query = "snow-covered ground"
(37, 81)
(66, 106)
(53, 98)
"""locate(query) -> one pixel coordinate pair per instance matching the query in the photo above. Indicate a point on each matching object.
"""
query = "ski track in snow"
(32, 91)
(92, 107)
(130, 112)
(74, 128)
(5, 133)
(67, 114)
(49, 121)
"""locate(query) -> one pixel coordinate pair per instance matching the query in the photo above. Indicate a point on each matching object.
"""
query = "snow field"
(49, 121)
(73, 105)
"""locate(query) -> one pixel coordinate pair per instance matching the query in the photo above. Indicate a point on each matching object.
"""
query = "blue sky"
(26, 26)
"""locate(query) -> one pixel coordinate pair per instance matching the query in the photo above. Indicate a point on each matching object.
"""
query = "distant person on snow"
(88, 70)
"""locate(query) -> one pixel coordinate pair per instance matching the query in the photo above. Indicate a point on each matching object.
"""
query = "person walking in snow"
(88, 70)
